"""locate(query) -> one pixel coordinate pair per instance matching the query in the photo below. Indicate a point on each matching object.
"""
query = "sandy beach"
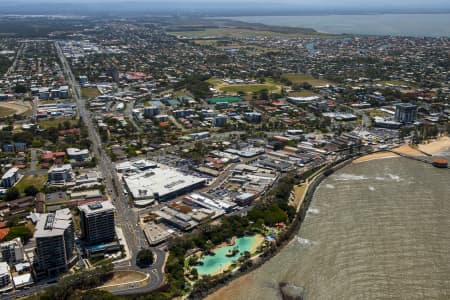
(257, 243)
(231, 291)
(430, 148)
(378, 155)
(225, 244)
(434, 147)
(408, 150)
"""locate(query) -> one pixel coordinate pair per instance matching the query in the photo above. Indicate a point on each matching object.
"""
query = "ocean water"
(418, 25)
(375, 230)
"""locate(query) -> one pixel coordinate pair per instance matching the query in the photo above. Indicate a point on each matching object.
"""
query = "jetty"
(427, 158)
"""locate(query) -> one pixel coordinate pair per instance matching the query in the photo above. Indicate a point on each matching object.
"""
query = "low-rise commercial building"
(5, 275)
(77, 154)
(161, 184)
(60, 174)
(12, 251)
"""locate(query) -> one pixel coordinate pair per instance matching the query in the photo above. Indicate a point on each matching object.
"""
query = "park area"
(302, 78)
(11, 108)
(248, 88)
(90, 92)
(37, 181)
(45, 124)
(245, 88)
(123, 278)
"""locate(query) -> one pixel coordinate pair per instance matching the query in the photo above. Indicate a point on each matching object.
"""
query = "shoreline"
(327, 27)
(228, 291)
(375, 156)
(436, 146)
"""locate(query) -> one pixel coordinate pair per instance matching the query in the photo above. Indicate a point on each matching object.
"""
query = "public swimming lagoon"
(215, 264)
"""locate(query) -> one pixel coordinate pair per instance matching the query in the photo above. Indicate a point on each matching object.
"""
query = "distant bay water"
(418, 25)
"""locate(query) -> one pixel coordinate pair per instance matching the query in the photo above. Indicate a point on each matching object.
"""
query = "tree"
(144, 258)
(67, 124)
(20, 89)
(264, 94)
(96, 295)
(12, 194)
(31, 190)
(70, 286)
(37, 143)
(194, 273)
(19, 231)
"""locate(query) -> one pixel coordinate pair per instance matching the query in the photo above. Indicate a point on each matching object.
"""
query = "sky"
(235, 6)
(358, 3)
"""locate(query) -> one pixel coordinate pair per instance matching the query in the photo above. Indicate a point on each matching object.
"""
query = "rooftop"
(161, 181)
(76, 151)
(61, 168)
(53, 224)
(96, 207)
(406, 105)
(10, 172)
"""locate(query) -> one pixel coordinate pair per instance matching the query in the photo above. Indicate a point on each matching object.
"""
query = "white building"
(77, 154)
(10, 177)
(5, 275)
(135, 166)
(23, 280)
(60, 174)
(160, 184)
(12, 251)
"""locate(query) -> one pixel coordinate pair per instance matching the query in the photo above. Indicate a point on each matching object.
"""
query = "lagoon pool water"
(213, 264)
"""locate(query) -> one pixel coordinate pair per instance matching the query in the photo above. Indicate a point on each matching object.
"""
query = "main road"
(128, 218)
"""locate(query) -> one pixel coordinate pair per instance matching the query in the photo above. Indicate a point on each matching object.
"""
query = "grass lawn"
(397, 83)
(376, 113)
(248, 88)
(182, 92)
(10, 108)
(122, 277)
(4, 112)
(89, 92)
(300, 78)
(214, 81)
(37, 181)
(54, 123)
(206, 42)
(304, 93)
(48, 102)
